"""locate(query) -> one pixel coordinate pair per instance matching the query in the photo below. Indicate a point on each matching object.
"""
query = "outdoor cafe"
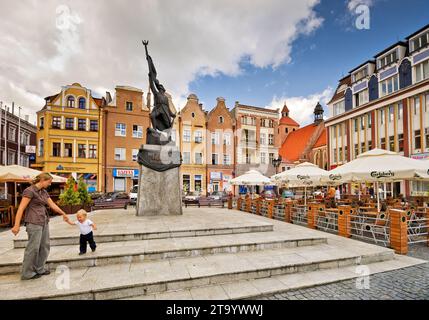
(395, 222)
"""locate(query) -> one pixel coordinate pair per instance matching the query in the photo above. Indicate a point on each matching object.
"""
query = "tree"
(69, 196)
(82, 190)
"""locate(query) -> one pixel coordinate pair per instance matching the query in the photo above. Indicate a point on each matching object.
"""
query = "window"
(427, 103)
(226, 139)
(120, 130)
(388, 59)
(340, 156)
(11, 157)
(68, 150)
(81, 124)
(137, 131)
(129, 106)
(389, 85)
(369, 145)
(419, 42)
(369, 121)
(271, 123)
(340, 133)
(215, 138)
(422, 71)
(271, 139)
(286, 130)
(56, 122)
(226, 159)
(198, 136)
(392, 143)
(11, 133)
(360, 74)
(339, 108)
(382, 116)
(56, 149)
(391, 114)
(271, 157)
(356, 125)
(362, 123)
(197, 182)
(42, 122)
(362, 147)
(215, 158)
(186, 135)
(120, 154)
(69, 123)
(400, 111)
(186, 182)
(41, 147)
(193, 115)
(198, 158)
(134, 153)
(92, 151)
(82, 103)
(335, 155)
(186, 157)
(220, 119)
(93, 125)
(70, 101)
(25, 138)
(401, 142)
(263, 158)
(81, 150)
(356, 149)
(416, 106)
(361, 98)
(417, 142)
(263, 136)
(383, 143)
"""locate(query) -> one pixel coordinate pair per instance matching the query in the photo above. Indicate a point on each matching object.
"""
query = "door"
(119, 184)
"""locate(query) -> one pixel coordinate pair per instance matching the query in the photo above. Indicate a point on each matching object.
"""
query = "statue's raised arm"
(152, 70)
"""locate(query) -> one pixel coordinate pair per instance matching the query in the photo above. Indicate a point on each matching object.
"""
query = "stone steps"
(146, 250)
(254, 288)
(126, 280)
(133, 236)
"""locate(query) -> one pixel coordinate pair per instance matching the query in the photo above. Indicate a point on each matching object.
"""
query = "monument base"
(159, 181)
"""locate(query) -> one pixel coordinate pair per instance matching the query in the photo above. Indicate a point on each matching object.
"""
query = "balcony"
(248, 143)
(198, 140)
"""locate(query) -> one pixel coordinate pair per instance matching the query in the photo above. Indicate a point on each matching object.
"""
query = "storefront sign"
(124, 173)
(216, 175)
(30, 149)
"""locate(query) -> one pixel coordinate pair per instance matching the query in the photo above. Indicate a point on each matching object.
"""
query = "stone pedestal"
(159, 190)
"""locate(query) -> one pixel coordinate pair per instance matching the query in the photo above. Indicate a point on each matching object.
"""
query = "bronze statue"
(161, 116)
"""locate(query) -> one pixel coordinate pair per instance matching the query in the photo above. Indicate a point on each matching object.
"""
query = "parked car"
(218, 195)
(192, 196)
(112, 200)
(133, 194)
(268, 194)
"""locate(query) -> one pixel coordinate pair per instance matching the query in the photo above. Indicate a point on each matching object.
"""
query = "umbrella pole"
(16, 197)
(305, 196)
(378, 197)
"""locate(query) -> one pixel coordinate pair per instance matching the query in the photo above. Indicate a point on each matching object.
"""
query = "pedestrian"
(371, 192)
(86, 227)
(331, 193)
(337, 194)
(34, 201)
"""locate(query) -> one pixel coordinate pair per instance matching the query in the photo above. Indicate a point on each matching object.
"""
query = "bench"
(110, 205)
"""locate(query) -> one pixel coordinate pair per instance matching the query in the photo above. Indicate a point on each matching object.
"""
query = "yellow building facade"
(69, 135)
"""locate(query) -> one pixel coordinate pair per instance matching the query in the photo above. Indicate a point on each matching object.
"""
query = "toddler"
(86, 226)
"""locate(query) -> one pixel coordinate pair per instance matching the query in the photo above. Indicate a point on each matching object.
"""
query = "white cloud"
(52, 43)
(301, 108)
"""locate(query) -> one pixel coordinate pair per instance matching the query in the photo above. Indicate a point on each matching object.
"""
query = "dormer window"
(387, 59)
(360, 74)
(419, 41)
(70, 101)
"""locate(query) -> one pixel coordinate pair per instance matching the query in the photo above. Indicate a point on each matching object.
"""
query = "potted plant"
(85, 198)
(69, 199)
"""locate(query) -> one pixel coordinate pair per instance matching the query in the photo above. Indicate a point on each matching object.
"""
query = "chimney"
(27, 118)
(237, 103)
(13, 108)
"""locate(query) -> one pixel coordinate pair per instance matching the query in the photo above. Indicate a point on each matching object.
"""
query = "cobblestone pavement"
(405, 284)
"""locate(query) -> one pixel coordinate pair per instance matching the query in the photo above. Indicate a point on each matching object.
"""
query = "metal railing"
(417, 227)
(327, 220)
(370, 227)
(299, 215)
(279, 212)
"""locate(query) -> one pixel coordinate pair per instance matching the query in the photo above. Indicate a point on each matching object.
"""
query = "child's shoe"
(93, 250)
(81, 253)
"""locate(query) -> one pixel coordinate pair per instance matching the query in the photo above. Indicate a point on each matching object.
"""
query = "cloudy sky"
(258, 52)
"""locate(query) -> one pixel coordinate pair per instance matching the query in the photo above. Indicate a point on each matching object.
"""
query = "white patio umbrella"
(303, 175)
(251, 178)
(16, 174)
(377, 166)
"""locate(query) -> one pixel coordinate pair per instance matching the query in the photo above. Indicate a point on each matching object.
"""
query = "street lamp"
(277, 162)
